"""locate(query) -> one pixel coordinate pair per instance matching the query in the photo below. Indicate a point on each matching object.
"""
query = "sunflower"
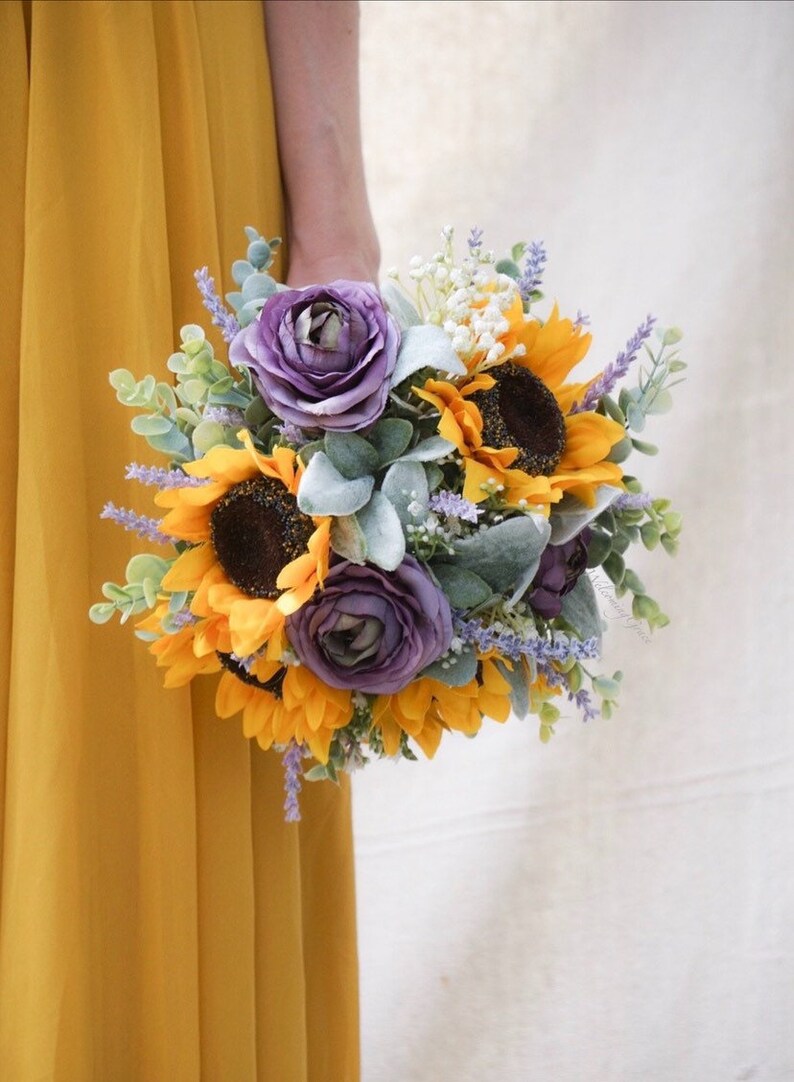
(255, 558)
(280, 704)
(426, 707)
(513, 424)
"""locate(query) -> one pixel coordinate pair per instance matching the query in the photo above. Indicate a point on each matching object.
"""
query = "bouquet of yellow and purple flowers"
(382, 512)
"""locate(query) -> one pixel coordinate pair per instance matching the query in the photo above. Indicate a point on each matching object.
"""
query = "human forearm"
(313, 47)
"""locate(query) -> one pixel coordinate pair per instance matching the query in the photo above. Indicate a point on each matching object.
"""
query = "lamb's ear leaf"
(324, 491)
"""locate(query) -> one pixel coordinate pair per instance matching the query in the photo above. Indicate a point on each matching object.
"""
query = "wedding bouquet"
(380, 515)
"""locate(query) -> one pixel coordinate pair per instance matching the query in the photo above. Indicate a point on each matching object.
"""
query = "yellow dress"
(158, 919)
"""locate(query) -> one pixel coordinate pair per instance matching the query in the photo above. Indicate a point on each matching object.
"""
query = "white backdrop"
(618, 905)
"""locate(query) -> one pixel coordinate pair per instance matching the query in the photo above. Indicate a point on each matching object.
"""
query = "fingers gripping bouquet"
(382, 514)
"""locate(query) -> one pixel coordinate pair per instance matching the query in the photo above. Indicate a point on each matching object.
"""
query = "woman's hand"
(313, 49)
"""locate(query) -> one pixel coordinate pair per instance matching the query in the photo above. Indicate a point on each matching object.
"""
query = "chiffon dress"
(158, 919)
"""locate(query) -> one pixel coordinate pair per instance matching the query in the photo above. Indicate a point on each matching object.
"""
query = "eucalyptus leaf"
(508, 267)
(347, 539)
(351, 454)
(580, 609)
(463, 588)
(146, 566)
(435, 476)
(645, 448)
(241, 269)
(570, 516)
(258, 287)
(461, 668)
(150, 425)
(101, 612)
(599, 548)
(390, 437)
(383, 532)
(324, 491)
(172, 443)
(403, 312)
(621, 450)
(425, 346)
(635, 417)
(403, 484)
(661, 402)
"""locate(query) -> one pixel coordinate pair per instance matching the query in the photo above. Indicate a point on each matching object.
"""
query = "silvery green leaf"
(508, 267)
(241, 269)
(620, 451)
(506, 554)
(405, 483)
(635, 417)
(401, 309)
(101, 612)
(390, 437)
(606, 687)
(324, 491)
(256, 412)
(519, 690)
(672, 336)
(114, 593)
(145, 566)
(383, 532)
(464, 589)
(352, 455)
(435, 476)
(221, 386)
(251, 232)
(570, 516)
(429, 450)
(235, 299)
(309, 450)
(177, 601)
(259, 253)
(174, 443)
(258, 287)
(613, 409)
(425, 346)
(192, 391)
(580, 609)
(178, 363)
(207, 434)
(150, 425)
(645, 448)
(167, 397)
(150, 588)
(347, 539)
(121, 379)
(461, 668)
(661, 402)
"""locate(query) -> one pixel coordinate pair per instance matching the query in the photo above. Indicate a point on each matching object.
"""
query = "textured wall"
(615, 906)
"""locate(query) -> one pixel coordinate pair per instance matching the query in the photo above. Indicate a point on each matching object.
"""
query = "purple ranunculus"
(559, 570)
(321, 357)
(370, 629)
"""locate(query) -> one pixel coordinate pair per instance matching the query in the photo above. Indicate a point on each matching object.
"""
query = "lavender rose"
(372, 630)
(559, 570)
(321, 357)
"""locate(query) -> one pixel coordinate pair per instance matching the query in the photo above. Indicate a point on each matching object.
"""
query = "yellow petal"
(189, 569)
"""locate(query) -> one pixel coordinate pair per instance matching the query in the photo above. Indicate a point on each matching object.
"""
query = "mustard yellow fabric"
(158, 920)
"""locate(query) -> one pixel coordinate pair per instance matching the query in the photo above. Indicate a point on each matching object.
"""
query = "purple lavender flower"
(558, 572)
(632, 501)
(156, 475)
(474, 239)
(292, 762)
(532, 275)
(148, 528)
(221, 316)
(617, 369)
(582, 319)
(321, 357)
(224, 415)
(451, 505)
(561, 648)
(372, 630)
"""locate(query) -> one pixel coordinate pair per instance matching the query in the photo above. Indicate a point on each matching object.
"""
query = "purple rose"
(559, 570)
(321, 357)
(370, 629)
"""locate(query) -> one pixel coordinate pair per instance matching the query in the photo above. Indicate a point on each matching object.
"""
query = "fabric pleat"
(158, 919)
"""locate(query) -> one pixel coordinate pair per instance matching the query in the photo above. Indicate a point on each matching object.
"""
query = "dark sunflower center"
(273, 685)
(256, 529)
(520, 411)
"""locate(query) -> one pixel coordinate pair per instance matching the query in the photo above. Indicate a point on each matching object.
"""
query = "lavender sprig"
(632, 501)
(224, 415)
(474, 239)
(581, 699)
(617, 369)
(532, 275)
(156, 475)
(560, 648)
(148, 528)
(292, 762)
(451, 505)
(291, 433)
(221, 316)
(582, 319)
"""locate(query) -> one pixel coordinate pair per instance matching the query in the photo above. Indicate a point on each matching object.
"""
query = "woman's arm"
(313, 47)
